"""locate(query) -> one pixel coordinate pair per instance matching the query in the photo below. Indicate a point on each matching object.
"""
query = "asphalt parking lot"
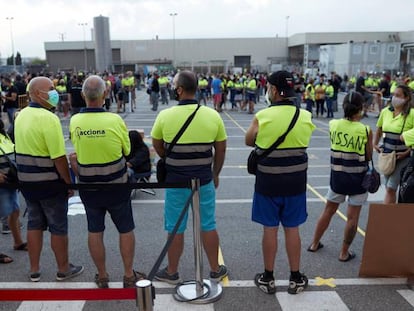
(334, 285)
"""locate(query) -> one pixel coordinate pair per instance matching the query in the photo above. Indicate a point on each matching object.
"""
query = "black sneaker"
(219, 275)
(72, 272)
(266, 286)
(297, 286)
(5, 229)
(163, 276)
(34, 276)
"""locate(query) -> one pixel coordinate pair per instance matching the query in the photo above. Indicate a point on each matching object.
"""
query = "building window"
(391, 49)
(356, 49)
(373, 49)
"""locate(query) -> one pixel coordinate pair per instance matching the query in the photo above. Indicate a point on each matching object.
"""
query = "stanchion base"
(188, 293)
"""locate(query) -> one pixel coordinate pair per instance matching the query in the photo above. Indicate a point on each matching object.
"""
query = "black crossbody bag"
(161, 169)
(12, 174)
(254, 156)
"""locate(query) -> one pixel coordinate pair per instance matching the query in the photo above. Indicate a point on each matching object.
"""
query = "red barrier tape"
(68, 294)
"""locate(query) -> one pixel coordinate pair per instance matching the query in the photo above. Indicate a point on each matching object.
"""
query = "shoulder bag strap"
(282, 138)
(372, 158)
(9, 161)
(181, 131)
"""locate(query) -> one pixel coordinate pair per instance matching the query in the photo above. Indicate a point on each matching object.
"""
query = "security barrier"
(198, 291)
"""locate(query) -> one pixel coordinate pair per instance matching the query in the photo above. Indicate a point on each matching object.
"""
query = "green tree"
(10, 60)
(18, 59)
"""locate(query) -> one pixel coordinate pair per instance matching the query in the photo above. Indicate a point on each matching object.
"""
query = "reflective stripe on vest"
(113, 172)
(392, 142)
(284, 161)
(185, 156)
(4, 163)
(35, 168)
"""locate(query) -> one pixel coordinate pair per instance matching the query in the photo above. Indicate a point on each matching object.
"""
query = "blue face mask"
(53, 98)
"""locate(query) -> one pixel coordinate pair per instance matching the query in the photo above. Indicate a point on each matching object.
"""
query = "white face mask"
(397, 102)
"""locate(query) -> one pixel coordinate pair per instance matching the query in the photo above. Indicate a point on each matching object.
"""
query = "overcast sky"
(35, 22)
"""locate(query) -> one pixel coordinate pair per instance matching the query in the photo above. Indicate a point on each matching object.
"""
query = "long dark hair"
(352, 104)
(136, 142)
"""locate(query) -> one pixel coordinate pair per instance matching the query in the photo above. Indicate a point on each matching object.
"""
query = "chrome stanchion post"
(145, 298)
(199, 291)
(198, 248)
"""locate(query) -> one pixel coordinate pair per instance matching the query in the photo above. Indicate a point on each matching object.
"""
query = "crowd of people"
(106, 152)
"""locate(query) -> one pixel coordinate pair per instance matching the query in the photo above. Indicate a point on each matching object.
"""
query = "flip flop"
(320, 245)
(5, 259)
(351, 255)
(21, 247)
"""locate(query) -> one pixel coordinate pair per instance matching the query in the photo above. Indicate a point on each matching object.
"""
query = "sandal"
(320, 245)
(351, 255)
(101, 282)
(129, 282)
(21, 247)
(5, 259)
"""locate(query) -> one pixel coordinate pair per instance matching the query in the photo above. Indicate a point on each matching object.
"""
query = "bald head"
(93, 90)
(38, 88)
(187, 81)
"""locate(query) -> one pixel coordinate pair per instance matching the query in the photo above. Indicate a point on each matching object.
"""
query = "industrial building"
(343, 52)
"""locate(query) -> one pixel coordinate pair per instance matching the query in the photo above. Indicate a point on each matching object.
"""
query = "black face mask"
(176, 95)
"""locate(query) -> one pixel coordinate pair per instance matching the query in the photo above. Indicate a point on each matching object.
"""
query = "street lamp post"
(173, 15)
(85, 60)
(287, 39)
(10, 19)
(287, 26)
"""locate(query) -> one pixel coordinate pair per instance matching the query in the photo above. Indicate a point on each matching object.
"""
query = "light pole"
(10, 19)
(173, 15)
(287, 26)
(85, 61)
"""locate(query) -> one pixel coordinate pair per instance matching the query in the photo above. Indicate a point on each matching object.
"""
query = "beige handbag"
(386, 162)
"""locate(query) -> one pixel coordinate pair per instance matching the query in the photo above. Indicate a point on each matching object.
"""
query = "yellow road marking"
(360, 231)
(225, 281)
(328, 282)
(235, 122)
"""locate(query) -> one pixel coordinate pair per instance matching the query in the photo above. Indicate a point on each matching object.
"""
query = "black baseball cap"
(284, 82)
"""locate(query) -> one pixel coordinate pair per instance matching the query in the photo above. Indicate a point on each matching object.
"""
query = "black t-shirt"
(358, 86)
(75, 90)
(21, 87)
(384, 85)
(11, 103)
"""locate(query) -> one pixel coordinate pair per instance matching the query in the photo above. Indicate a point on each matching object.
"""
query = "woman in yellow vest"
(351, 149)
(9, 200)
(320, 98)
(392, 122)
(310, 96)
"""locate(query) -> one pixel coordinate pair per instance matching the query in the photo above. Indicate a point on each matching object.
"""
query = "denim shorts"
(288, 210)
(355, 199)
(121, 215)
(175, 200)
(49, 213)
(9, 201)
(393, 181)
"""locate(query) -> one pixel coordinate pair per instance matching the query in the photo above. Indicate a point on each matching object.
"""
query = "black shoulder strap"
(9, 161)
(182, 130)
(282, 138)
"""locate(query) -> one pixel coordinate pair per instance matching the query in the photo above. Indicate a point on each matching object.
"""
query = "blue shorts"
(49, 213)
(270, 211)
(175, 200)
(121, 215)
(9, 201)
(251, 97)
